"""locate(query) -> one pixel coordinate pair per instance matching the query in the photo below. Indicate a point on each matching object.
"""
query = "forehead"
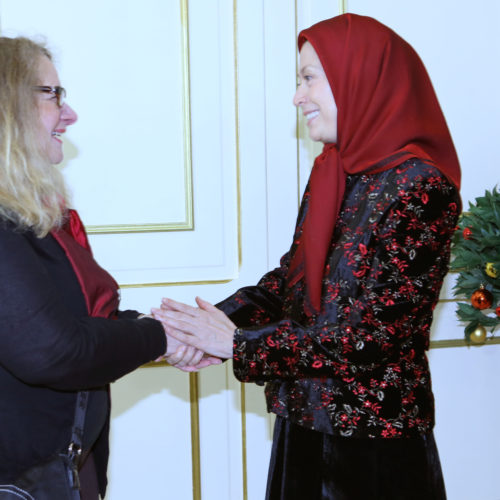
(308, 56)
(47, 72)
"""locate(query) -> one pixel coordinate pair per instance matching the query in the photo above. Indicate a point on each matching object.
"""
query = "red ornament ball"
(467, 233)
(497, 311)
(481, 299)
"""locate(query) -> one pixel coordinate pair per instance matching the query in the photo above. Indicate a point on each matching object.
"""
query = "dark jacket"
(358, 368)
(50, 349)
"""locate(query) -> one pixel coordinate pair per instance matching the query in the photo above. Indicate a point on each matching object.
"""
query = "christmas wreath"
(476, 258)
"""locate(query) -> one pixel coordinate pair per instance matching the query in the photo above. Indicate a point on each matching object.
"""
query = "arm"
(380, 295)
(378, 300)
(44, 343)
(259, 304)
(385, 274)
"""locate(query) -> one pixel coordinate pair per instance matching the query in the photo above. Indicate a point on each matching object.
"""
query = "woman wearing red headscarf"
(339, 331)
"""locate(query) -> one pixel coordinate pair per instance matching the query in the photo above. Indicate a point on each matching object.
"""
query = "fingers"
(185, 356)
(175, 320)
(221, 317)
(196, 357)
(204, 312)
(173, 305)
(207, 306)
(176, 357)
(204, 362)
(208, 329)
(185, 338)
(210, 360)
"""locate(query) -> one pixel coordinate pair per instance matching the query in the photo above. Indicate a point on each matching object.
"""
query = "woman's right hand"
(185, 357)
(204, 327)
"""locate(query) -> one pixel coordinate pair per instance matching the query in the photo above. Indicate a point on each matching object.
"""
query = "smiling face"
(53, 119)
(315, 97)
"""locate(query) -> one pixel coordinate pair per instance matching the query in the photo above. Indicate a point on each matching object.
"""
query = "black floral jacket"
(358, 368)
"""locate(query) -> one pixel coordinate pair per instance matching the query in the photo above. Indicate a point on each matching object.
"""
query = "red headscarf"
(387, 113)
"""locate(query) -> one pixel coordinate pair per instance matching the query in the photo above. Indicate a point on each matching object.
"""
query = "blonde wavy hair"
(32, 191)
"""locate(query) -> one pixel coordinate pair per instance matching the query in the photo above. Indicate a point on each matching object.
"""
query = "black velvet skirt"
(310, 465)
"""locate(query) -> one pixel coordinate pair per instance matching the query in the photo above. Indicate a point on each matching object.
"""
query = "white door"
(187, 165)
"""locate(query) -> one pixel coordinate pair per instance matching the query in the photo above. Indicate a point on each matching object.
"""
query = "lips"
(56, 134)
(310, 115)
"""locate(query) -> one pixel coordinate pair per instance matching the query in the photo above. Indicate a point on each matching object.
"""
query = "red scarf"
(388, 112)
(99, 288)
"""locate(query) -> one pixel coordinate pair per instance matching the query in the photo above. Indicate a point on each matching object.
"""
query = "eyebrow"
(307, 66)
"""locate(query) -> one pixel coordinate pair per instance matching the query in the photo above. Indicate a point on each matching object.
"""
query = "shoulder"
(415, 189)
(11, 234)
(415, 174)
(410, 178)
(18, 243)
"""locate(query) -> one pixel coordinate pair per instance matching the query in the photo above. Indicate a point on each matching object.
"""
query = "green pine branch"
(471, 255)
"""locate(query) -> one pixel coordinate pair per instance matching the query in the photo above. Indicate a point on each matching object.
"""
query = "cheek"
(49, 119)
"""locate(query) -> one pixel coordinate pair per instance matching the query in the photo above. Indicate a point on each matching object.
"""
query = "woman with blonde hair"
(62, 336)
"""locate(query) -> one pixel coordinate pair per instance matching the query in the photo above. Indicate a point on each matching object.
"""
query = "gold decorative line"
(188, 224)
(175, 283)
(155, 364)
(237, 127)
(244, 461)
(195, 435)
(439, 344)
(141, 228)
(240, 256)
(186, 108)
(297, 127)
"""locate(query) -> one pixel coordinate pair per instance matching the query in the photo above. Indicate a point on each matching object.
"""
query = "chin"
(314, 137)
(56, 158)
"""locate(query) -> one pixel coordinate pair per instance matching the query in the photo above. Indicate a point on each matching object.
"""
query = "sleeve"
(43, 343)
(397, 267)
(128, 314)
(259, 304)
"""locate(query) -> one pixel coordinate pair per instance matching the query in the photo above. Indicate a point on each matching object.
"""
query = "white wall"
(187, 127)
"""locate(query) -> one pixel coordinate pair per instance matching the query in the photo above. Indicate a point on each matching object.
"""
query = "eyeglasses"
(59, 92)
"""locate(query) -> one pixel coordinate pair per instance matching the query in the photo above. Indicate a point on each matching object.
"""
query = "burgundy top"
(98, 286)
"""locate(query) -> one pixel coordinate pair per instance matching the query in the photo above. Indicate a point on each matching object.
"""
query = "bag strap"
(75, 446)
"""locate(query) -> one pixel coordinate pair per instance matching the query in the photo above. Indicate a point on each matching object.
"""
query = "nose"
(299, 97)
(68, 115)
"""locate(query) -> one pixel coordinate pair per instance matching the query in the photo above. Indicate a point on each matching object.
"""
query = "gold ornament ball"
(478, 335)
(490, 270)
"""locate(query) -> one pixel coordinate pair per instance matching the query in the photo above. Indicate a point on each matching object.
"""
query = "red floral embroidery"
(359, 367)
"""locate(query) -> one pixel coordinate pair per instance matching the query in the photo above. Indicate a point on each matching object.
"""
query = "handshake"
(197, 337)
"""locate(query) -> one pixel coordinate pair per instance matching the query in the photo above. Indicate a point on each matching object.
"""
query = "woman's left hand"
(189, 359)
(204, 327)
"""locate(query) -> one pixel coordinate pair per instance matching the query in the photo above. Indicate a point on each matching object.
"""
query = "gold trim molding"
(176, 283)
(244, 460)
(195, 435)
(188, 224)
(440, 344)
